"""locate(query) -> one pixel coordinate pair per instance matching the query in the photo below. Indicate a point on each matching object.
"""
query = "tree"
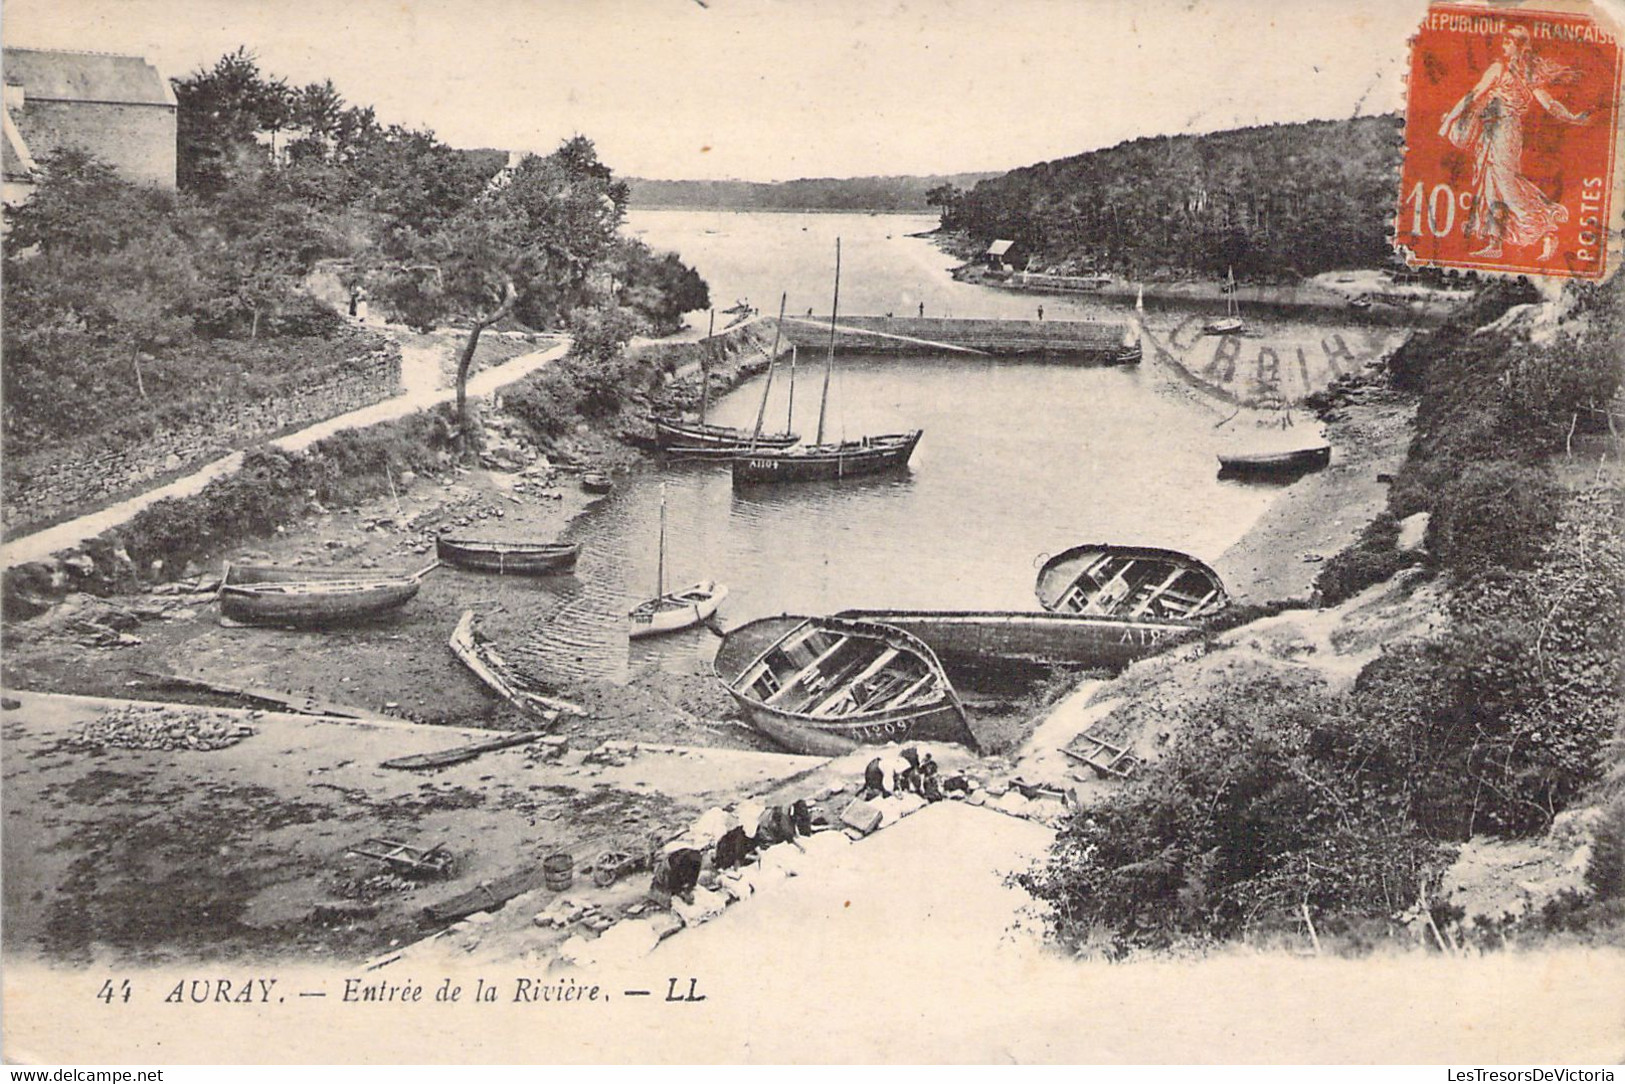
(217, 116)
(948, 197)
(659, 288)
(530, 244)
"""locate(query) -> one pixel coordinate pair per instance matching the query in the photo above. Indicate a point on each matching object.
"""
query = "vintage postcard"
(1170, 614)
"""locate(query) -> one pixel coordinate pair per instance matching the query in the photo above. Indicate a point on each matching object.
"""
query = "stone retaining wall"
(1087, 339)
(47, 485)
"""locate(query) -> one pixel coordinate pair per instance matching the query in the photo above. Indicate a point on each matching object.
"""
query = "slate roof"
(53, 75)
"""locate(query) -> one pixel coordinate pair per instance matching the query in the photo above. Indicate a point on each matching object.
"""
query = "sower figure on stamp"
(1507, 207)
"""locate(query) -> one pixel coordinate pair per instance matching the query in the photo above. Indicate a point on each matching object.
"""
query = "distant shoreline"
(777, 210)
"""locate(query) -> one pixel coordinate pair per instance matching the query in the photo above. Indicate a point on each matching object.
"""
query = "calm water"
(1019, 460)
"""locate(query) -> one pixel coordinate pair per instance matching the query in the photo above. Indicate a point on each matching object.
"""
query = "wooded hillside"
(1278, 201)
(806, 194)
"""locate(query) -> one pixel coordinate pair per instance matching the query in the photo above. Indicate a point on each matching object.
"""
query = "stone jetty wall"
(904, 334)
(44, 486)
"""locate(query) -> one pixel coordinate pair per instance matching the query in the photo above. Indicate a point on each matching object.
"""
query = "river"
(1019, 460)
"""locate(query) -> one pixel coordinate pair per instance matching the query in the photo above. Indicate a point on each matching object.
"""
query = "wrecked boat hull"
(992, 641)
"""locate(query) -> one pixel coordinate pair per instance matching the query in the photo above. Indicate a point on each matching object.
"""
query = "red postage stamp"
(1511, 132)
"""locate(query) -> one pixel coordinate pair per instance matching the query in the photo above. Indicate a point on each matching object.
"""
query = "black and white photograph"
(761, 531)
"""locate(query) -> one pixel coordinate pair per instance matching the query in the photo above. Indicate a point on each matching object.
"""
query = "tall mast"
(790, 411)
(772, 362)
(705, 369)
(829, 360)
(660, 567)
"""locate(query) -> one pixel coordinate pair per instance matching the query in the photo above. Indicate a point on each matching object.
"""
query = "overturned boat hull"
(996, 642)
(827, 462)
(824, 686)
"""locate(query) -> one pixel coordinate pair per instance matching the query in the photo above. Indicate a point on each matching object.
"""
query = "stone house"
(117, 107)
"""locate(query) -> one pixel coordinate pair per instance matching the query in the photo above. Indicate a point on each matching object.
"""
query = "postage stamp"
(1511, 126)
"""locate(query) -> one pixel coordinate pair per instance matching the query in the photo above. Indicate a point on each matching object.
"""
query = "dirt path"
(423, 389)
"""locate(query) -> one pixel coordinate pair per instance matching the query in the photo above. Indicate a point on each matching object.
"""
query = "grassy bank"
(1298, 784)
(586, 407)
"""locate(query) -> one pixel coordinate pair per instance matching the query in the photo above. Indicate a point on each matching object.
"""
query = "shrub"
(1268, 803)
(1371, 559)
(1493, 515)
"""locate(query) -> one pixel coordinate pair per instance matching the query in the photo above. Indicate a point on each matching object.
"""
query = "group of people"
(723, 841)
(910, 772)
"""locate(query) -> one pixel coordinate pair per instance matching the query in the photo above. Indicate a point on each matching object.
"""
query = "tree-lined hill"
(1280, 200)
(805, 194)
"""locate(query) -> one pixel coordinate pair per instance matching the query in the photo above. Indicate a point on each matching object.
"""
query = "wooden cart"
(404, 858)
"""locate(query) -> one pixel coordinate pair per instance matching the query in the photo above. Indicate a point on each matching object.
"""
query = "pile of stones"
(162, 728)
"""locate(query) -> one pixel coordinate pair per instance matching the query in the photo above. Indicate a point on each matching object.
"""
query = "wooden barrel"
(558, 871)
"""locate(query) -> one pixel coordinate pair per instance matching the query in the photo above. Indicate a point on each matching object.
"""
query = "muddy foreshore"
(93, 813)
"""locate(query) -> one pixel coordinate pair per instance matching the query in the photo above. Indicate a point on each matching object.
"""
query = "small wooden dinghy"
(315, 602)
(474, 652)
(1276, 464)
(508, 558)
(826, 685)
(597, 482)
(1130, 582)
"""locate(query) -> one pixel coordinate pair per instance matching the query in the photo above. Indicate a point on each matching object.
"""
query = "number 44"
(1436, 208)
(109, 993)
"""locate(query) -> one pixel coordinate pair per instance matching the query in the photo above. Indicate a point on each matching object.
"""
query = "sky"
(778, 89)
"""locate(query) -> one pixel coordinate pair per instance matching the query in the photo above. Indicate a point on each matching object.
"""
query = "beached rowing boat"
(315, 602)
(826, 685)
(1276, 464)
(1133, 582)
(675, 435)
(508, 558)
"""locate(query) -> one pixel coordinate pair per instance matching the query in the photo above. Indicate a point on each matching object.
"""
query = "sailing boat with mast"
(1231, 321)
(671, 611)
(701, 440)
(820, 461)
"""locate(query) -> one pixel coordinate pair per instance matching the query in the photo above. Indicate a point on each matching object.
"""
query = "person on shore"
(930, 783)
(908, 780)
(874, 782)
(922, 310)
(1040, 312)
